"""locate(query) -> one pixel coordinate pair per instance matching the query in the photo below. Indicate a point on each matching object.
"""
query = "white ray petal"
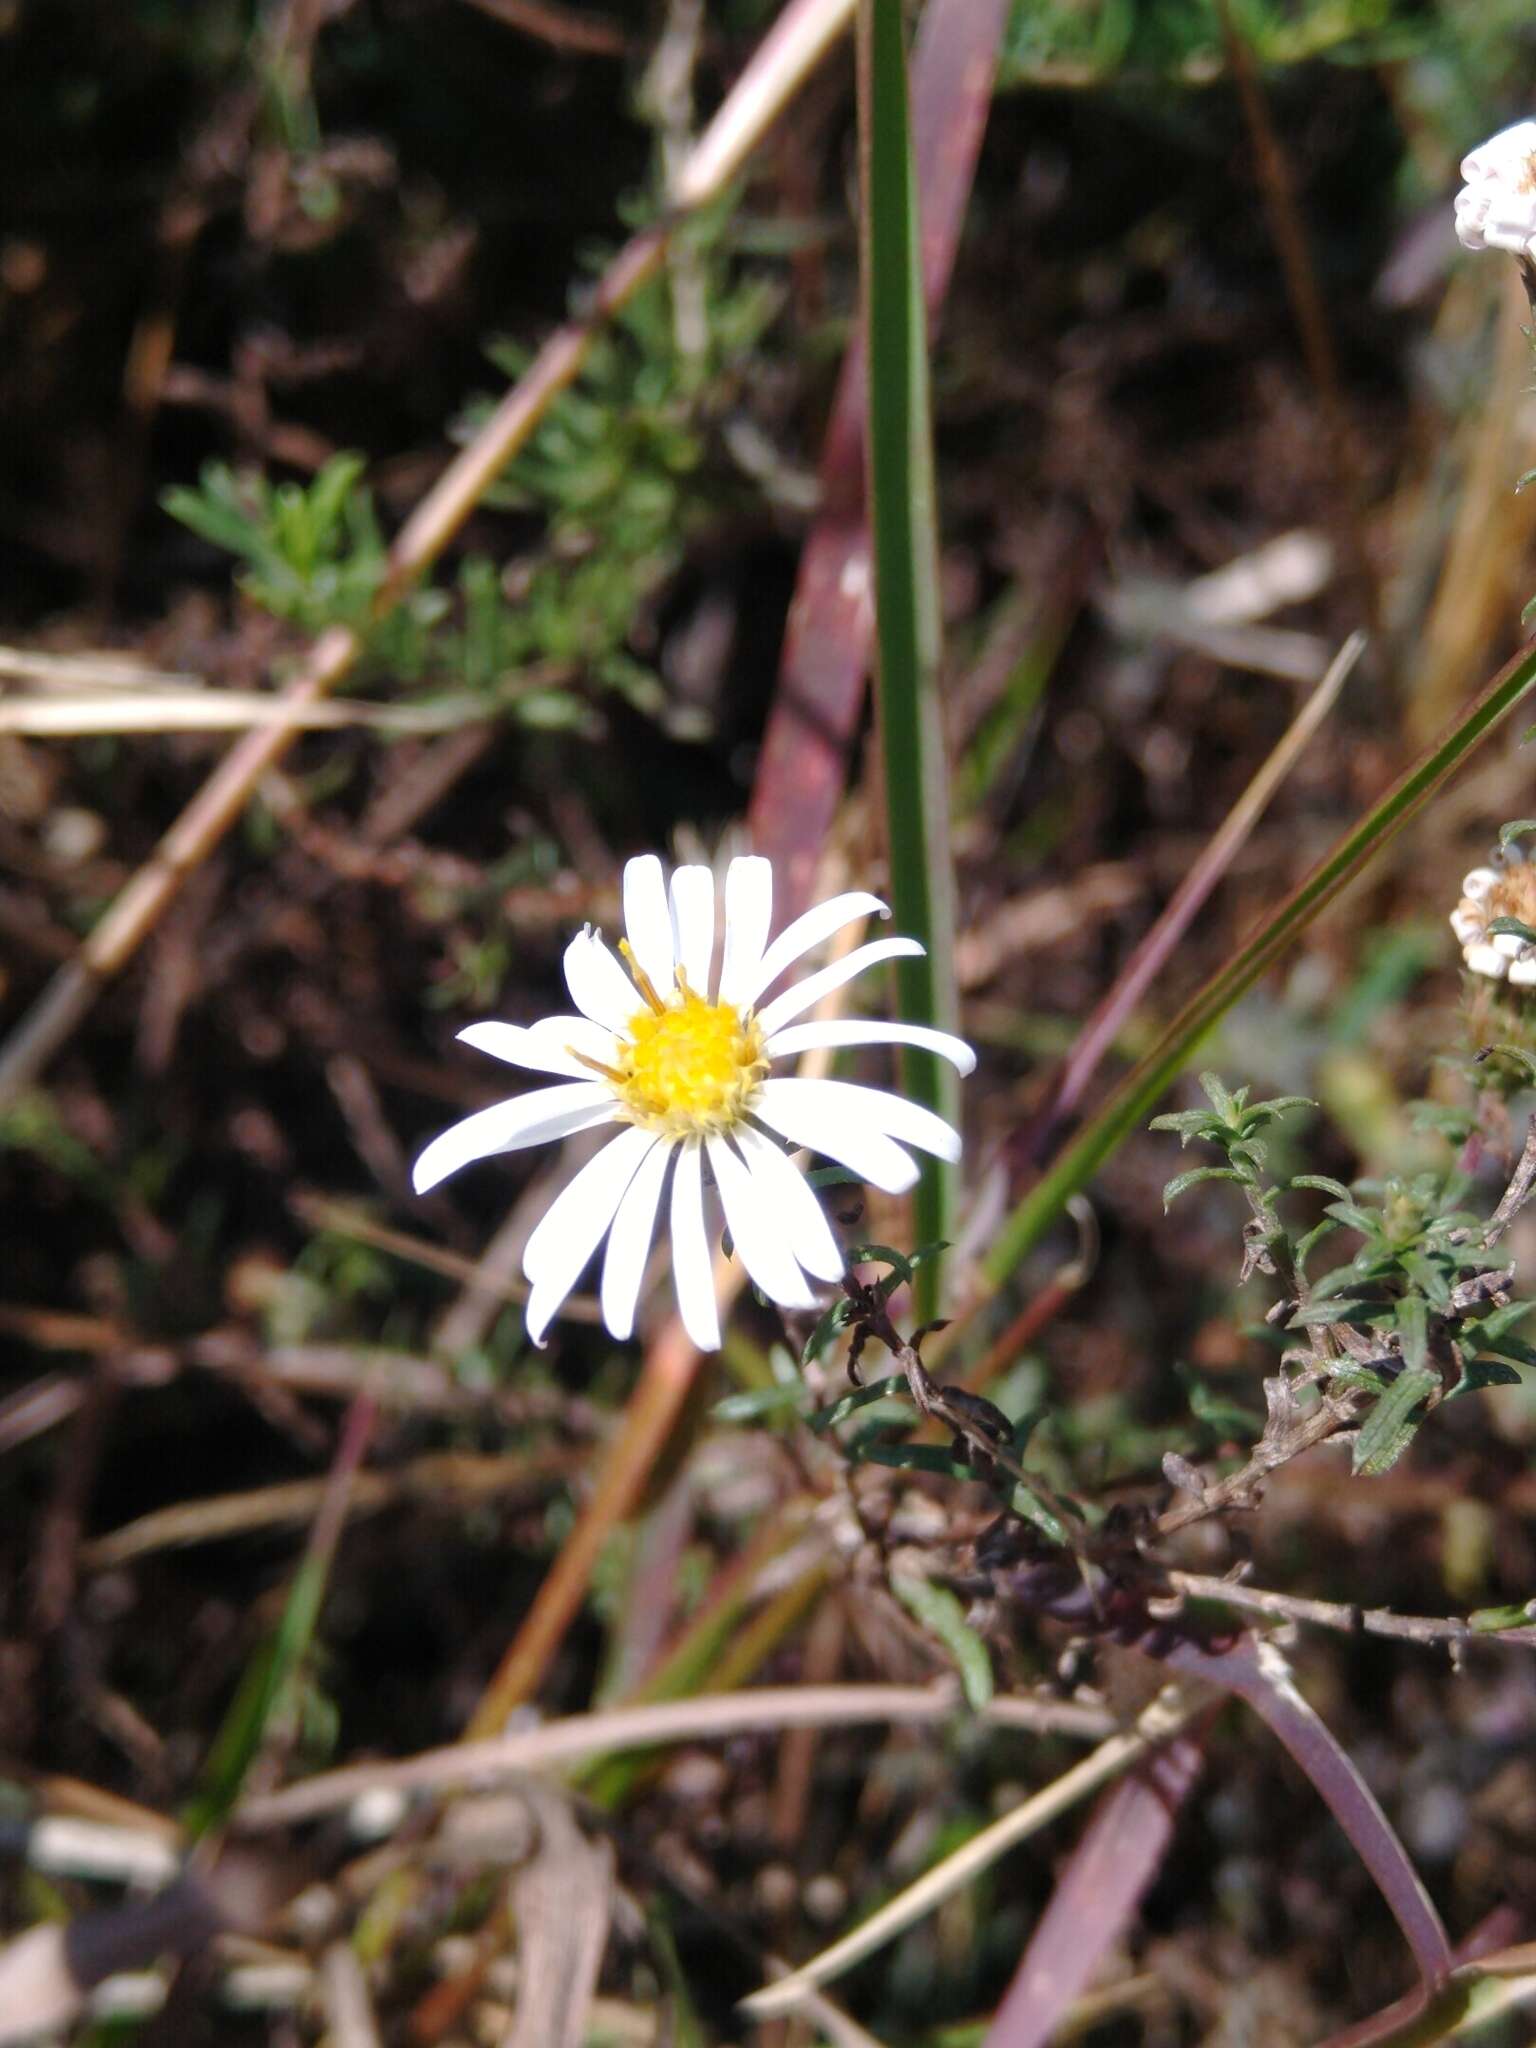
(548, 1047)
(533, 1119)
(870, 1154)
(859, 1031)
(793, 1203)
(748, 912)
(808, 930)
(629, 1241)
(756, 1230)
(693, 1273)
(599, 987)
(851, 1106)
(648, 921)
(693, 924)
(573, 1226)
(804, 994)
(1480, 883)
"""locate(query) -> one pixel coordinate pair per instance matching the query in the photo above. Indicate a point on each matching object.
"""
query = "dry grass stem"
(705, 1718)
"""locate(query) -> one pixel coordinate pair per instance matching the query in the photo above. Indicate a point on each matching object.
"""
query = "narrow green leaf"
(756, 1404)
(1520, 1615)
(1128, 1107)
(1413, 1332)
(904, 531)
(1181, 1181)
(1393, 1423)
(936, 1609)
(878, 1390)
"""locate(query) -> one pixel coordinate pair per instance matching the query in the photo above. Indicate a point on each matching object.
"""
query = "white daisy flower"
(1506, 889)
(688, 1076)
(1496, 208)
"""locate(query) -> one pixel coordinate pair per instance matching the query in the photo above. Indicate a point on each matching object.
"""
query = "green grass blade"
(1146, 1083)
(903, 529)
(267, 1679)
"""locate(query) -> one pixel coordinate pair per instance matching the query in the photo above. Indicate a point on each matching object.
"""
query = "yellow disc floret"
(690, 1066)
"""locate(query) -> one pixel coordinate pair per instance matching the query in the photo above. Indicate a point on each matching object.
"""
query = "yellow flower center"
(688, 1067)
(691, 1066)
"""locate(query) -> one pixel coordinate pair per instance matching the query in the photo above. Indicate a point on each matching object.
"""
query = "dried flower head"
(682, 1058)
(1496, 208)
(1504, 889)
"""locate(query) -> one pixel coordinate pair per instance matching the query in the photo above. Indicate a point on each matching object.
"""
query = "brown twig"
(1449, 1631)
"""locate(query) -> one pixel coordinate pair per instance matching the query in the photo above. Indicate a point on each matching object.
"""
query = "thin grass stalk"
(904, 529)
(1162, 1719)
(1154, 951)
(1142, 1087)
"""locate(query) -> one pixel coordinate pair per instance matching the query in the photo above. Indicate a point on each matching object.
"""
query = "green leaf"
(904, 531)
(1027, 1503)
(914, 1458)
(1486, 1371)
(1323, 1183)
(936, 1609)
(1520, 1614)
(1393, 1423)
(1226, 1106)
(823, 1419)
(1216, 1410)
(257, 1697)
(755, 1404)
(1518, 828)
(1512, 927)
(883, 1255)
(1190, 1123)
(1413, 1332)
(1181, 1181)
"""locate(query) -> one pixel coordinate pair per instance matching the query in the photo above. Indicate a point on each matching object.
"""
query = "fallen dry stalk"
(706, 1718)
(785, 58)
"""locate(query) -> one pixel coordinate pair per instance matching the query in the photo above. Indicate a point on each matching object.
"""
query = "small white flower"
(1506, 889)
(689, 1077)
(1496, 208)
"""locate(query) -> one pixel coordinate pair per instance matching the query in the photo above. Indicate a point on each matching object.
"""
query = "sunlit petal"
(537, 1118)
(755, 1230)
(599, 987)
(834, 1034)
(548, 1047)
(693, 924)
(808, 931)
(804, 995)
(693, 1272)
(792, 1202)
(575, 1223)
(648, 920)
(748, 912)
(629, 1241)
